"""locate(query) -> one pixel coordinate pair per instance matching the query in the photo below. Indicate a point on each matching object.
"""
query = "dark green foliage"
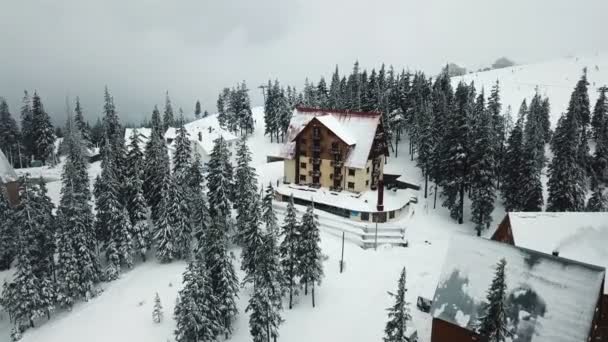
(42, 131)
(310, 265)
(9, 134)
(288, 250)
(600, 114)
(8, 233)
(245, 181)
(493, 322)
(598, 201)
(168, 119)
(398, 314)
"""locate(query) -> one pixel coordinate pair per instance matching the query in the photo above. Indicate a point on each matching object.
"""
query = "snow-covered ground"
(350, 306)
(555, 79)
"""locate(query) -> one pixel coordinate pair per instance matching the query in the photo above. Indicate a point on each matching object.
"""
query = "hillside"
(555, 79)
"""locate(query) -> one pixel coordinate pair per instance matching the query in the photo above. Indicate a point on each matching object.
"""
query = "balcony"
(314, 173)
(338, 176)
(337, 163)
(335, 150)
(316, 148)
(315, 161)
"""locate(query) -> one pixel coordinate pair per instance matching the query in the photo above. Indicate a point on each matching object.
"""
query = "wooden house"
(8, 180)
(581, 236)
(549, 298)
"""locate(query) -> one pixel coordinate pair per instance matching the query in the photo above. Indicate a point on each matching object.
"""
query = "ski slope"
(554, 79)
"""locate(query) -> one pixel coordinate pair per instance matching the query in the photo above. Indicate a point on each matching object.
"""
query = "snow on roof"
(356, 127)
(209, 129)
(336, 127)
(551, 299)
(579, 236)
(7, 173)
(362, 202)
(144, 136)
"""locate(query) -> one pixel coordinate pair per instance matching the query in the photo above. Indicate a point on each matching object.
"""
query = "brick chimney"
(380, 206)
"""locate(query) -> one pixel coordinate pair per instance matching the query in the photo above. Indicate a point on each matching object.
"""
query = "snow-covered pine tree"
(32, 292)
(165, 233)
(222, 107)
(220, 175)
(534, 135)
(113, 223)
(498, 130)
(246, 186)
(197, 110)
(8, 233)
(310, 267)
(528, 186)
(168, 119)
(111, 125)
(251, 239)
(183, 151)
(455, 153)
(600, 113)
(224, 282)
(9, 134)
(600, 157)
(42, 130)
(514, 157)
(566, 176)
(265, 304)
(270, 114)
(398, 314)
(322, 94)
(196, 314)
(135, 201)
(598, 201)
(81, 124)
(335, 91)
(288, 250)
(28, 139)
(157, 312)
(493, 322)
(156, 170)
(268, 216)
(482, 192)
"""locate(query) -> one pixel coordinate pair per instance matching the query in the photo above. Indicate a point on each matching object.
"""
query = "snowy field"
(350, 306)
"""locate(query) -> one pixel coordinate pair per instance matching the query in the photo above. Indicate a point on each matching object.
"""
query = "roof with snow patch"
(209, 129)
(7, 173)
(357, 129)
(550, 299)
(581, 236)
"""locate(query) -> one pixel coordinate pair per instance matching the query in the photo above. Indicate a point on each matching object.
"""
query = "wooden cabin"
(581, 236)
(544, 305)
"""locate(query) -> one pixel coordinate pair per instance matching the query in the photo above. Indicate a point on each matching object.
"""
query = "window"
(368, 169)
(303, 178)
(303, 141)
(367, 182)
(316, 132)
(391, 214)
(351, 172)
(364, 216)
(351, 185)
(303, 165)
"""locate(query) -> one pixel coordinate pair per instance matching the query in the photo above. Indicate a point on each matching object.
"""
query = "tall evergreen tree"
(157, 313)
(598, 201)
(9, 234)
(310, 267)
(493, 322)
(288, 250)
(27, 129)
(251, 239)
(136, 202)
(335, 91)
(245, 185)
(197, 110)
(157, 122)
(81, 124)
(398, 314)
(220, 175)
(9, 134)
(42, 130)
(156, 170)
(196, 313)
(168, 118)
(183, 151)
(482, 191)
(600, 113)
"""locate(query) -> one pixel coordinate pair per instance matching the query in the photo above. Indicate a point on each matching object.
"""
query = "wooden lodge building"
(581, 236)
(336, 159)
(8, 180)
(549, 298)
(336, 149)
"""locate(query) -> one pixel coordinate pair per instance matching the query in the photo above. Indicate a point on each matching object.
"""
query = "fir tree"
(183, 151)
(135, 201)
(8, 233)
(482, 191)
(493, 322)
(600, 114)
(156, 170)
(9, 134)
(268, 216)
(196, 314)
(514, 157)
(81, 124)
(251, 239)
(157, 122)
(245, 184)
(335, 91)
(168, 119)
(28, 138)
(172, 227)
(310, 267)
(42, 130)
(157, 312)
(288, 250)
(220, 175)
(398, 314)
(197, 110)
(597, 201)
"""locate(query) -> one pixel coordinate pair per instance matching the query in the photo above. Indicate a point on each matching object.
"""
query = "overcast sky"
(193, 48)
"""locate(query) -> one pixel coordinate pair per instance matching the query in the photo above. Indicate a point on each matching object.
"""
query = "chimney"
(555, 253)
(380, 206)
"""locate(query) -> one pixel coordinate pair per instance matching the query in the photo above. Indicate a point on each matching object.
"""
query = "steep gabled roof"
(357, 129)
(209, 129)
(7, 173)
(580, 236)
(551, 299)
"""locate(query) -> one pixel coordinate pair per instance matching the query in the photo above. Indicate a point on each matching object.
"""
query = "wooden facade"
(447, 332)
(599, 326)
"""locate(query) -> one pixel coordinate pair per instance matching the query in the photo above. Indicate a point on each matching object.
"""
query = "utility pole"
(263, 87)
(342, 257)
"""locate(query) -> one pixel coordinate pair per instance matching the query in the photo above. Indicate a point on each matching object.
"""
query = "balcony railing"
(337, 163)
(314, 173)
(315, 161)
(316, 148)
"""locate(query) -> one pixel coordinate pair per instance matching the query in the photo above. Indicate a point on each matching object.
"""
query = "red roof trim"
(335, 111)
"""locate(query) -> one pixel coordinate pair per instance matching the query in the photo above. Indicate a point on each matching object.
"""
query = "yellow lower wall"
(289, 170)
